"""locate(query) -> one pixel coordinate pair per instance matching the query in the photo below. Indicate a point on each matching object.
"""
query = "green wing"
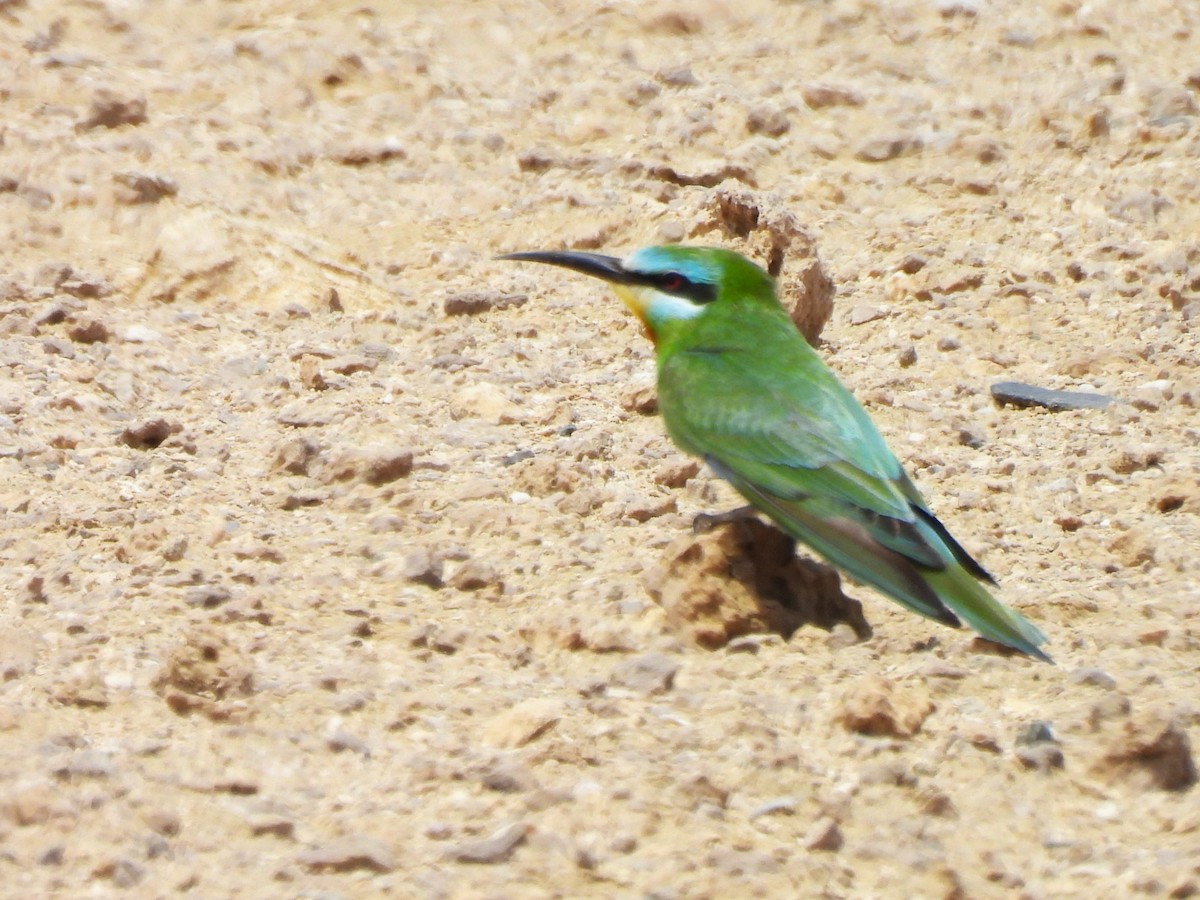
(776, 423)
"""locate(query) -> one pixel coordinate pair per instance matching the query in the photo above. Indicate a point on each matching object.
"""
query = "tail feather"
(960, 591)
(849, 546)
(942, 594)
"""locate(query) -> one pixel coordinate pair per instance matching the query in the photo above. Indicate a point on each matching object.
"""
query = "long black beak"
(607, 267)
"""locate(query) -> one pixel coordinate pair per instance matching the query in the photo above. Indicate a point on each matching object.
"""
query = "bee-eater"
(740, 387)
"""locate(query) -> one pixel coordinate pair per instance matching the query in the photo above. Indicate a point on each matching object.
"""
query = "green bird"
(740, 387)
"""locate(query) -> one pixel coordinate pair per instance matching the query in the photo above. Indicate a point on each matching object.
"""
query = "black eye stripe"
(677, 284)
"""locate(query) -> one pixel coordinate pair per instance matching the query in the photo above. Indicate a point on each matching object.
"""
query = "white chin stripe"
(660, 307)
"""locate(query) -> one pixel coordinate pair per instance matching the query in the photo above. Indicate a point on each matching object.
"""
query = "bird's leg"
(706, 522)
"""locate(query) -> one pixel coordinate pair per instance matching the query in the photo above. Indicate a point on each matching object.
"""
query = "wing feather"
(799, 436)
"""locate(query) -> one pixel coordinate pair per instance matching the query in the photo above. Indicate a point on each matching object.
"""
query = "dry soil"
(327, 540)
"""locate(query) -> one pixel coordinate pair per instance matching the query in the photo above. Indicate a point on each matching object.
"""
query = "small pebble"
(348, 853)
(824, 835)
(496, 848)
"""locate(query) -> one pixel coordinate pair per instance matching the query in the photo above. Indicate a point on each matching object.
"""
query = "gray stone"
(1014, 393)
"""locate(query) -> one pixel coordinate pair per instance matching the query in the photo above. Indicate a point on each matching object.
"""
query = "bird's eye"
(673, 281)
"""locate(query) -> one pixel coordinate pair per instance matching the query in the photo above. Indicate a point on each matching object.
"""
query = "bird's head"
(670, 285)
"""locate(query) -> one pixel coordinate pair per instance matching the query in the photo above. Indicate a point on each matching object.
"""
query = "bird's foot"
(706, 522)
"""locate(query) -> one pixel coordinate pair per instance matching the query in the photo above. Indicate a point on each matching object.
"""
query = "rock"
(163, 821)
(110, 110)
(779, 805)
(583, 502)
(883, 149)
(1042, 757)
(19, 646)
(518, 456)
(369, 153)
(1139, 207)
(483, 400)
(743, 578)
(652, 673)
(202, 672)
(892, 772)
(705, 174)
(496, 848)
(508, 777)
(53, 346)
(303, 414)
(1014, 393)
(523, 723)
(1151, 751)
(473, 575)
(52, 856)
(841, 636)
(1137, 458)
(91, 332)
(207, 596)
(676, 473)
(697, 792)
(1036, 732)
(140, 334)
(775, 236)
(607, 636)
(302, 499)
(148, 435)
(642, 400)
(1153, 394)
(273, 824)
(310, 373)
(671, 232)
(972, 437)
(345, 854)
(967, 278)
(822, 96)
(295, 454)
(825, 835)
(339, 741)
(879, 707)
(476, 302)
(33, 804)
(352, 363)
(948, 343)
(1111, 706)
(124, 873)
(89, 763)
(739, 863)
(382, 465)
(142, 187)
(376, 464)
(1134, 547)
(421, 566)
(907, 357)
(677, 76)
(644, 508)
(440, 637)
(84, 688)
(863, 313)
(1094, 678)
(771, 122)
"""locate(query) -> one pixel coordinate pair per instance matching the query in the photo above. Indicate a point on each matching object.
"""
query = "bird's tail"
(959, 590)
(943, 595)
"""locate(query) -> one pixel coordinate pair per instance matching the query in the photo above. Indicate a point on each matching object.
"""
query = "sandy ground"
(326, 539)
